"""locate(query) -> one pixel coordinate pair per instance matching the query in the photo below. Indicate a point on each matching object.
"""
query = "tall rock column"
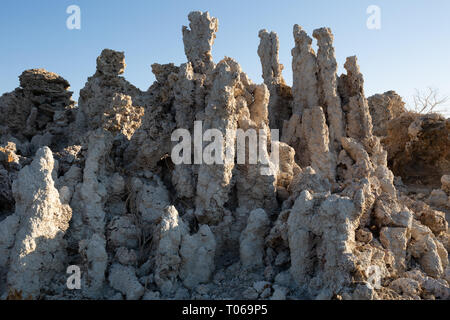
(268, 53)
(198, 40)
(359, 121)
(88, 225)
(305, 94)
(39, 253)
(255, 190)
(215, 180)
(280, 93)
(184, 104)
(305, 70)
(316, 133)
(328, 85)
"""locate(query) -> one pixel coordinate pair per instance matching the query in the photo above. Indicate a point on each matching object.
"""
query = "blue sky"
(411, 50)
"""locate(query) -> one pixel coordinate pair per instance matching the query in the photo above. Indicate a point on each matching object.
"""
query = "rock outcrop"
(38, 112)
(199, 39)
(317, 214)
(418, 147)
(383, 108)
(328, 85)
(36, 230)
(280, 104)
(104, 93)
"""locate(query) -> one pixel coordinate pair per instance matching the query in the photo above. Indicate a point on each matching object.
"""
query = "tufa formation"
(356, 208)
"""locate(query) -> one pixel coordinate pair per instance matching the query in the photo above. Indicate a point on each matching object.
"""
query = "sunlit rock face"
(96, 185)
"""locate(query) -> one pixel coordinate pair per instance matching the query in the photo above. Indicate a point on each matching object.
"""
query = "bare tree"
(428, 100)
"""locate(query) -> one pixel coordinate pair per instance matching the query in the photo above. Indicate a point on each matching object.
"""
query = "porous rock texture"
(280, 104)
(35, 233)
(38, 111)
(383, 108)
(417, 144)
(418, 147)
(95, 186)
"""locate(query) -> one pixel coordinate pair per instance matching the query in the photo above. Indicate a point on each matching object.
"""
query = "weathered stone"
(252, 239)
(383, 108)
(124, 280)
(328, 87)
(39, 252)
(326, 220)
(197, 253)
(198, 40)
(305, 87)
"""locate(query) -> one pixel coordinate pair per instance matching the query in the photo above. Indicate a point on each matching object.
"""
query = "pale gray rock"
(168, 239)
(123, 279)
(198, 40)
(39, 251)
(252, 239)
(215, 180)
(315, 129)
(328, 87)
(280, 94)
(197, 253)
(305, 70)
(95, 257)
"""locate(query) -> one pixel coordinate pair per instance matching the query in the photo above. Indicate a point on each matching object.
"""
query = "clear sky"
(411, 50)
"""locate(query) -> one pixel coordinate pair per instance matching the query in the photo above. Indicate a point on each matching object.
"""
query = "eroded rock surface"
(95, 186)
(38, 249)
(383, 108)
